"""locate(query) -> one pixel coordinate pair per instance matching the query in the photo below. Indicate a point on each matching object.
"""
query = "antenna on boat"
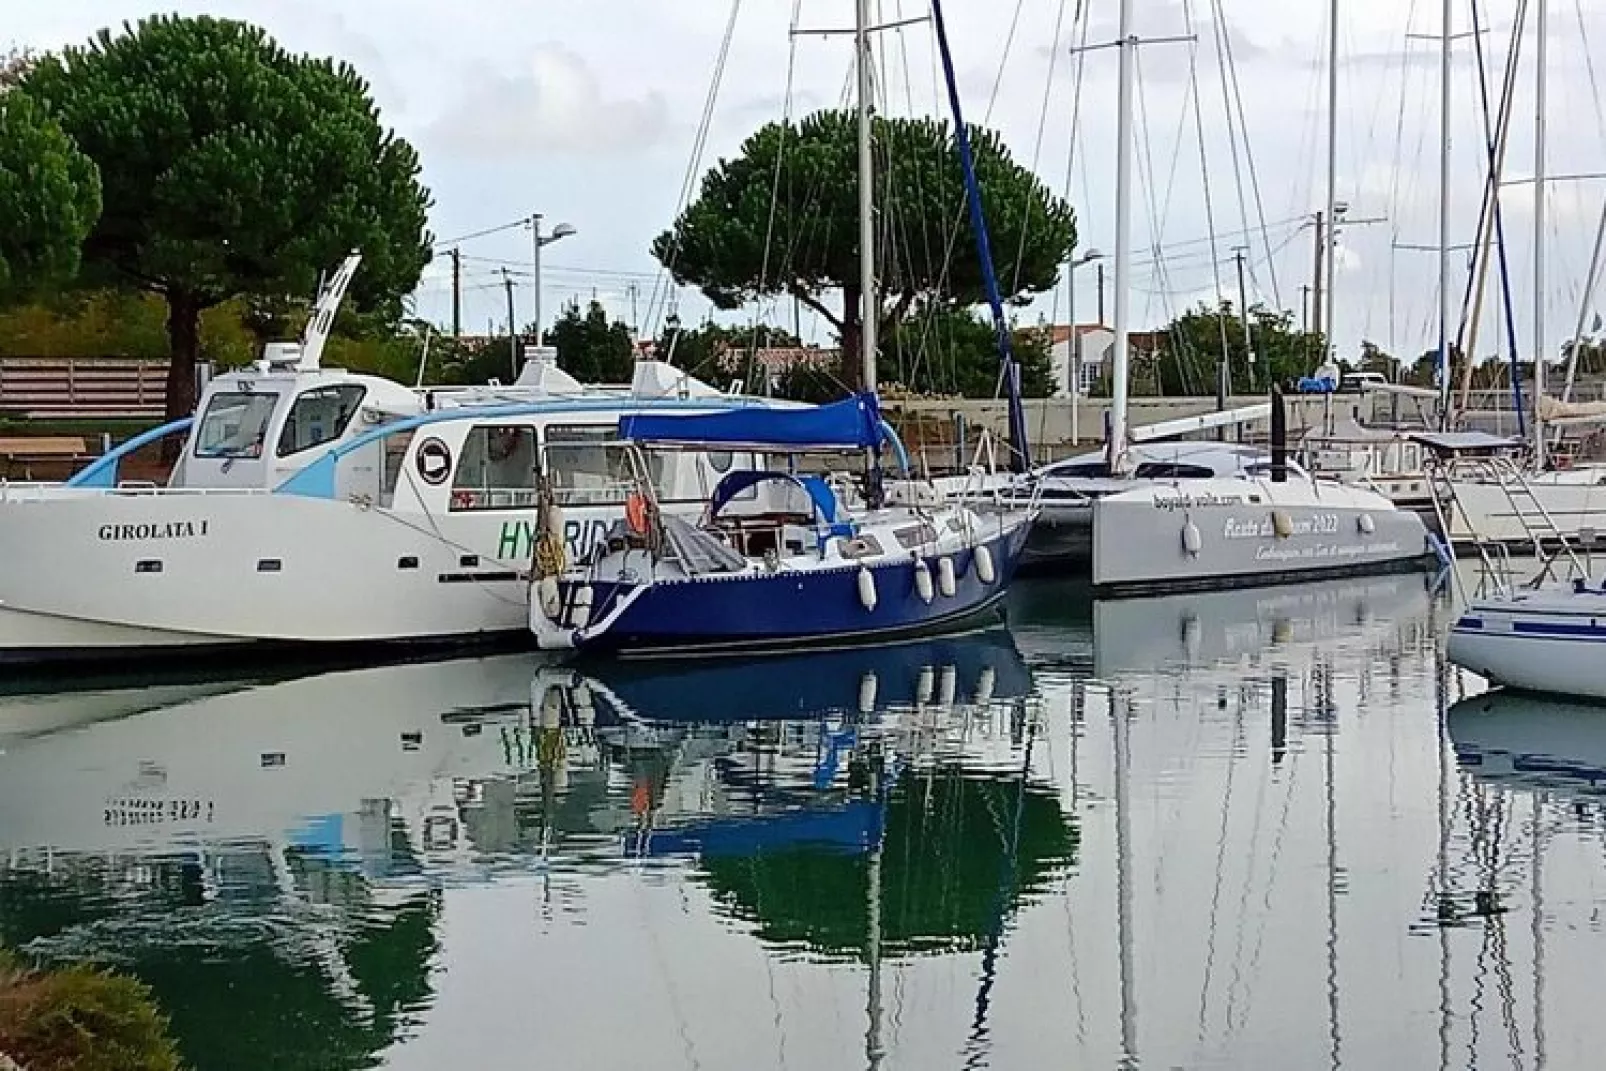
(322, 320)
(423, 357)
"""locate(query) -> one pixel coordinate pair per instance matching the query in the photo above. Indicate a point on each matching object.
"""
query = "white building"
(1094, 343)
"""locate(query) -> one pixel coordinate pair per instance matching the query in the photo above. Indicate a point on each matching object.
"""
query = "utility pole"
(457, 293)
(1243, 312)
(512, 327)
(1304, 310)
(1316, 289)
(1101, 295)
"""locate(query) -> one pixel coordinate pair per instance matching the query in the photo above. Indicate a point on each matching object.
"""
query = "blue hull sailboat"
(777, 561)
(798, 567)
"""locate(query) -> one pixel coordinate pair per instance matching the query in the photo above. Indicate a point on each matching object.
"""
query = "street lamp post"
(1074, 362)
(539, 241)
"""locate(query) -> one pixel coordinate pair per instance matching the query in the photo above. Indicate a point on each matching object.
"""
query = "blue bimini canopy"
(854, 423)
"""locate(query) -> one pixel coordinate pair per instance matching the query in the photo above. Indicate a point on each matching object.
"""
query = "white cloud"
(557, 105)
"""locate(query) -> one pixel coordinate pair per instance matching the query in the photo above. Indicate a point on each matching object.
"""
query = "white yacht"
(1064, 491)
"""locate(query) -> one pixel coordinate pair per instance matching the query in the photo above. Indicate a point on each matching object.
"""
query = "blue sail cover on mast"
(851, 424)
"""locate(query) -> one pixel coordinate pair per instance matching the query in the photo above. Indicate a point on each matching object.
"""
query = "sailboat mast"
(1541, 28)
(1123, 235)
(1446, 314)
(1332, 178)
(869, 304)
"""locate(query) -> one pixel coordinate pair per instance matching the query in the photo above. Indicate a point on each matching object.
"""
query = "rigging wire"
(664, 285)
(1204, 172)
(1228, 69)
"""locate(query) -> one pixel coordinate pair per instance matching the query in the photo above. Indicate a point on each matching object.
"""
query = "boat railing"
(1497, 574)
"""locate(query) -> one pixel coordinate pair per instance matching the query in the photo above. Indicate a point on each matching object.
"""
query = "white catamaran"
(317, 506)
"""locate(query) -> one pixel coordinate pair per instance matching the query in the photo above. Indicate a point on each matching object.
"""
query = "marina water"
(1267, 828)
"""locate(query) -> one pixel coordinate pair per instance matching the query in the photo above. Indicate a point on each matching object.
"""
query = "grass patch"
(88, 427)
(81, 1019)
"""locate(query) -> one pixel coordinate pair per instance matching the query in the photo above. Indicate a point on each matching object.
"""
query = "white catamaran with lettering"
(318, 506)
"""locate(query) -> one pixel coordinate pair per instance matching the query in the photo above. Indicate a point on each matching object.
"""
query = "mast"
(1332, 177)
(869, 304)
(1446, 316)
(1120, 725)
(1020, 456)
(1541, 27)
(1127, 44)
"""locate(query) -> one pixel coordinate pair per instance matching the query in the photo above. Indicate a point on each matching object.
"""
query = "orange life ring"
(636, 513)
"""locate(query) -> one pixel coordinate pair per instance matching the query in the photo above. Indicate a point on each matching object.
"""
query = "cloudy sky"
(588, 111)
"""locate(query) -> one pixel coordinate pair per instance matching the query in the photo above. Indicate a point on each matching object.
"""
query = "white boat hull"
(1549, 642)
(224, 570)
(1574, 500)
(1208, 533)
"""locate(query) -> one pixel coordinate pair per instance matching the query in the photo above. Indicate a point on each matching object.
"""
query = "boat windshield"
(235, 424)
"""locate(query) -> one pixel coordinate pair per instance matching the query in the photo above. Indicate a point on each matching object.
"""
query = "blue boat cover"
(854, 423)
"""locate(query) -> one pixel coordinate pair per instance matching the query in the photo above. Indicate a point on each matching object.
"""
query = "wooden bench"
(20, 454)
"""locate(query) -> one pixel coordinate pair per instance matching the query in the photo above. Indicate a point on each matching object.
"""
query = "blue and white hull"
(761, 610)
(1550, 641)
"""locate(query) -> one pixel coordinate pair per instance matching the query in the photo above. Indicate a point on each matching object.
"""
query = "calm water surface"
(1265, 829)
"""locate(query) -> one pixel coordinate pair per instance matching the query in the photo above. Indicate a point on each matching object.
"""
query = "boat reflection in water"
(275, 859)
(1532, 743)
(1137, 637)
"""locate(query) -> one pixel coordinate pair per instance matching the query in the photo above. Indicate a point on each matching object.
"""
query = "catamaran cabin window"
(588, 465)
(235, 424)
(319, 416)
(496, 469)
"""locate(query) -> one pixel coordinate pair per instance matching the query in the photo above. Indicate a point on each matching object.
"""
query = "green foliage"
(81, 1019)
(949, 881)
(1373, 359)
(782, 217)
(232, 167)
(718, 353)
(591, 348)
(955, 351)
(49, 197)
(1190, 351)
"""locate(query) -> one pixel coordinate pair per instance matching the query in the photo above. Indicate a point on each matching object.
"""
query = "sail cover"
(853, 423)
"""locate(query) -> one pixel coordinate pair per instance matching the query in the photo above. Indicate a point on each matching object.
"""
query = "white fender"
(1192, 540)
(551, 714)
(926, 685)
(985, 683)
(580, 611)
(1366, 524)
(947, 686)
(585, 710)
(984, 565)
(867, 691)
(548, 598)
(923, 586)
(866, 588)
(1282, 523)
(945, 577)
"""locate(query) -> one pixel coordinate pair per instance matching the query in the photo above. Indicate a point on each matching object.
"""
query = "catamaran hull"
(122, 577)
(1061, 538)
(1554, 650)
(787, 610)
(1154, 543)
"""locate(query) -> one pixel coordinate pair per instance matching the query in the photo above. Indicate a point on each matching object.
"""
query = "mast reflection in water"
(1256, 829)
